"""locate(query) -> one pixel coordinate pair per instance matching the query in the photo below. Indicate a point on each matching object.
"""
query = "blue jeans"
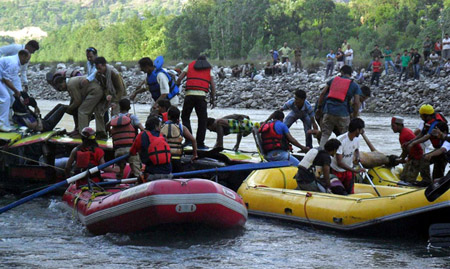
(404, 70)
(281, 155)
(306, 119)
(416, 68)
(387, 64)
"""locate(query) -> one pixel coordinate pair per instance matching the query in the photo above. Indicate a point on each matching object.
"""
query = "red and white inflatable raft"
(164, 201)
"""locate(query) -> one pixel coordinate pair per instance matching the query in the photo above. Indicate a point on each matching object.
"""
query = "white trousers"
(5, 104)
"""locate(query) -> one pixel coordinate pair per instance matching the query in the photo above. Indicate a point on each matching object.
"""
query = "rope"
(31, 160)
(308, 194)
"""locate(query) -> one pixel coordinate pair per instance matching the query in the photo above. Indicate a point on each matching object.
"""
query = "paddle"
(60, 184)
(231, 168)
(370, 180)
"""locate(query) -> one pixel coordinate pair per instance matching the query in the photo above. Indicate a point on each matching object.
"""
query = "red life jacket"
(198, 80)
(270, 139)
(123, 132)
(86, 158)
(438, 117)
(165, 116)
(155, 149)
(339, 88)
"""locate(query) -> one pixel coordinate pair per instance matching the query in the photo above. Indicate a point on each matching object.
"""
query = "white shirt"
(446, 46)
(9, 69)
(91, 71)
(11, 50)
(347, 150)
(164, 87)
(347, 56)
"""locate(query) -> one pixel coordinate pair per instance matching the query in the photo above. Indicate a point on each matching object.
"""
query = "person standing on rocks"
(334, 103)
(330, 63)
(388, 60)
(349, 56)
(339, 59)
(376, 71)
(405, 63)
(91, 55)
(275, 56)
(376, 52)
(160, 84)
(427, 46)
(9, 73)
(113, 87)
(438, 47)
(416, 63)
(284, 52)
(12, 50)
(301, 109)
(298, 58)
(446, 47)
(84, 100)
(199, 82)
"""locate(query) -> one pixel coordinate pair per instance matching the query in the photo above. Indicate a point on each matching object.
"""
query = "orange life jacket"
(165, 116)
(154, 149)
(198, 80)
(123, 132)
(270, 139)
(339, 88)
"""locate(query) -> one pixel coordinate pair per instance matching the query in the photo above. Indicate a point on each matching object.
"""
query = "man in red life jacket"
(275, 137)
(335, 102)
(86, 156)
(199, 81)
(154, 150)
(430, 119)
(124, 128)
(412, 159)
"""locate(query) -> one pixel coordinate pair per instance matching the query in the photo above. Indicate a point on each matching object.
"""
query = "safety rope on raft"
(308, 194)
(31, 160)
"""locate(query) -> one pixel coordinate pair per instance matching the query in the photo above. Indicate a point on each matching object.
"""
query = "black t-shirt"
(322, 158)
(24, 108)
(340, 56)
(416, 58)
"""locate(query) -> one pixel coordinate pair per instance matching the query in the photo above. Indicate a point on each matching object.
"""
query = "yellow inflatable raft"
(272, 193)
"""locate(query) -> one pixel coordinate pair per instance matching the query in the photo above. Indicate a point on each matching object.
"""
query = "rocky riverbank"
(391, 96)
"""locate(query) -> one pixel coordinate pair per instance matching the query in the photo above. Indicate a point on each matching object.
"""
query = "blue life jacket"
(155, 88)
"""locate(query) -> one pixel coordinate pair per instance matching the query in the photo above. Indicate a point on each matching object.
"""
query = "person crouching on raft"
(347, 155)
(86, 156)
(314, 169)
(231, 124)
(275, 136)
(153, 150)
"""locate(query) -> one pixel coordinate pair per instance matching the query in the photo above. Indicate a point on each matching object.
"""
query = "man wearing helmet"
(431, 120)
(87, 155)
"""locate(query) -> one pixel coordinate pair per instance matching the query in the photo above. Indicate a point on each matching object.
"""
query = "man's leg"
(410, 171)
(342, 124)
(201, 108)
(307, 126)
(186, 112)
(5, 103)
(290, 119)
(440, 162)
(328, 124)
(86, 109)
(99, 115)
(53, 117)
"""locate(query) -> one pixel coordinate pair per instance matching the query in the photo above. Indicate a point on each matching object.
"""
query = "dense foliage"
(227, 29)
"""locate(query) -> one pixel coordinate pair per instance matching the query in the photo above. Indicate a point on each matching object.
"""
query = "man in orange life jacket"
(86, 156)
(124, 129)
(335, 101)
(153, 150)
(199, 79)
(275, 137)
(160, 84)
(430, 119)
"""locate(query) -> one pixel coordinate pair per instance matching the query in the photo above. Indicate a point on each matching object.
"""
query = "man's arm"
(341, 164)
(180, 78)
(191, 138)
(212, 94)
(326, 175)
(294, 142)
(69, 163)
(23, 77)
(11, 86)
(356, 105)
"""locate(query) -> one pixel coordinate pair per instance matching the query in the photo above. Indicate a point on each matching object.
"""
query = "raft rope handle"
(308, 194)
(284, 177)
(31, 160)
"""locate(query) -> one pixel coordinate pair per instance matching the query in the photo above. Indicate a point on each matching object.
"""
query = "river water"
(42, 233)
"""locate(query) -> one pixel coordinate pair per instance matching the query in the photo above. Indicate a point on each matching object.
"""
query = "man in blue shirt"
(334, 103)
(91, 55)
(330, 63)
(275, 138)
(300, 109)
(13, 49)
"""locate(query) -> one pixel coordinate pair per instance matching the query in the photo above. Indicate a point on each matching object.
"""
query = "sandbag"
(373, 159)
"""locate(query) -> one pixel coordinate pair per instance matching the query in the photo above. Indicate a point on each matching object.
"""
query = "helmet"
(426, 110)
(88, 133)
